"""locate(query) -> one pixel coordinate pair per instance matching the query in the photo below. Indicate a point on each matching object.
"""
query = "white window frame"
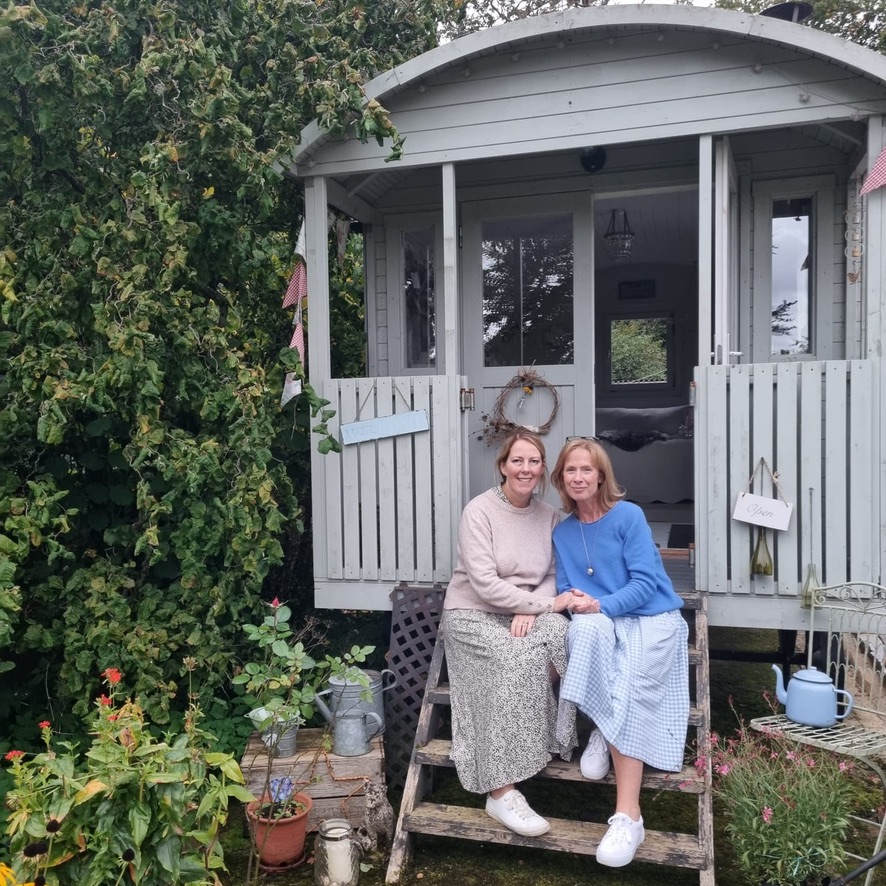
(821, 297)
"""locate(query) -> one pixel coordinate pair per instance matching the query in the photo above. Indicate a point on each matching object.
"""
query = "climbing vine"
(147, 472)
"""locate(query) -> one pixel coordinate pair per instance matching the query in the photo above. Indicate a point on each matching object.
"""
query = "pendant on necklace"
(590, 570)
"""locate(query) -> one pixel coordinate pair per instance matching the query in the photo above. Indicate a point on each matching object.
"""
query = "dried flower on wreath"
(499, 423)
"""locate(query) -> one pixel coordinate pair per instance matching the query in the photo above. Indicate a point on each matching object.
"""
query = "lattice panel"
(415, 618)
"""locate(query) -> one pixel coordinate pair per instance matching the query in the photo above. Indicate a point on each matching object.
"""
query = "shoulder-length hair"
(610, 492)
(507, 445)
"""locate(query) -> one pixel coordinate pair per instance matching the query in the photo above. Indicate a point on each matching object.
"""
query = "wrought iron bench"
(848, 642)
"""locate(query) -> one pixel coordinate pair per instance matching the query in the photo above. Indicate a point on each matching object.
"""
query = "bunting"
(296, 293)
(877, 176)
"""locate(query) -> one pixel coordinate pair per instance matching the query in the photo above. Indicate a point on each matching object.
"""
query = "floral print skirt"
(504, 709)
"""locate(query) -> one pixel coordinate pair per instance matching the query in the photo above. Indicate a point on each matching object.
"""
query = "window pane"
(527, 291)
(639, 351)
(791, 260)
(418, 299)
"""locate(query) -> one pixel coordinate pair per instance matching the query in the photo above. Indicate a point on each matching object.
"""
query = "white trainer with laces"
(514, 812)
(621, 842)
(595, 759)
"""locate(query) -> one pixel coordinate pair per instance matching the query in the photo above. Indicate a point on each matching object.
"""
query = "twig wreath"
(498, 423)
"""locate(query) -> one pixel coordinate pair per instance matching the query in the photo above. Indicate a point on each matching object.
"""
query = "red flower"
(105, 700)
(14, 755)
(112, 717)
(112, 675)
(44, 724)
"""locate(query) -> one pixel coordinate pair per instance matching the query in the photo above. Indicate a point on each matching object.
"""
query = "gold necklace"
(581, 529)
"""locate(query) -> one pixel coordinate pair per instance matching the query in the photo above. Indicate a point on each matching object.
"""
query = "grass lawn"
(448, 862)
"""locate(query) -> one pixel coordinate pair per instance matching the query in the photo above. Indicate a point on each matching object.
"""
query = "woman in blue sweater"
(627, 643)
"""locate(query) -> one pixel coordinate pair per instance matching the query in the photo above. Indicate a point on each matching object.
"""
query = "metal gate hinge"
(466, 399)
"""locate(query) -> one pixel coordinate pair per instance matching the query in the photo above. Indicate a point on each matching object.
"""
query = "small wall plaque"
(636, 289)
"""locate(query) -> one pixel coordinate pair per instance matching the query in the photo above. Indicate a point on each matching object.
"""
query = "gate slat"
(402, 387)
(424, 484)
(350, 485)
(370, 407)
(387, 491)
(836, 487)
(740, 467)
(809, 436)
(789, 557)
(864, 534)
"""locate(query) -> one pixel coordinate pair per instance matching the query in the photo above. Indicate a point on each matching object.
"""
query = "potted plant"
(281, 689)
(282, 685)
(278, 823)
(787, 807)
(131, 807)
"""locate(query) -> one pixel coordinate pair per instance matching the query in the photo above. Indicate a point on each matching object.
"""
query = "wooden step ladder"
(695, 850)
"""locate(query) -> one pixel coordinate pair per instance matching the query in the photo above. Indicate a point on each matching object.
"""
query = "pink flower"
(844, 766)
(723, 769)
(44, 724)
(792, 755)
(767, 814)
(15, 755)
(275, 603)
(810, 763)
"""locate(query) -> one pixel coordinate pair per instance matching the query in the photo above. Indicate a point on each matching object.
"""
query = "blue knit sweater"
(629, 577)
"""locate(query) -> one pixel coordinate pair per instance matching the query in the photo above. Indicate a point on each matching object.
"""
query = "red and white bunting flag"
(298, 284)
(296, 293)
(877, 176)
(298, 340)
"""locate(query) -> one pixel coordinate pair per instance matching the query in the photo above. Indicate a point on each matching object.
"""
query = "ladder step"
(659, 847)
(687, 781)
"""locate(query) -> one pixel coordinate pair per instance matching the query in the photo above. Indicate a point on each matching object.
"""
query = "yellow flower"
(7, 877)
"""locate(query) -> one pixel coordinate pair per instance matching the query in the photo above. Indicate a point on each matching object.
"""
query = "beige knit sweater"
(505, 557)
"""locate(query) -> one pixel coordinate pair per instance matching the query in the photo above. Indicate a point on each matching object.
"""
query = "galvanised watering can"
(811, 697)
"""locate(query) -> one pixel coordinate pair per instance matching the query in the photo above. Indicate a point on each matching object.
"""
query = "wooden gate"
(386, 510)
(815, 424)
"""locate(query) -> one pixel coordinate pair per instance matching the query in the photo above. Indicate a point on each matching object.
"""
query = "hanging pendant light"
(619, 238)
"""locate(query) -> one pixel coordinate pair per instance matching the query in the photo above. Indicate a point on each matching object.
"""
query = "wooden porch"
(389, 508)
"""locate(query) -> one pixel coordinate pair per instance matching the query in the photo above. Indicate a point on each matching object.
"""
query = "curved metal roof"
(509, 37)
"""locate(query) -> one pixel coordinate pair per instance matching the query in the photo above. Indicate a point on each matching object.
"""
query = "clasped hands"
(578, 602)
(574, 600)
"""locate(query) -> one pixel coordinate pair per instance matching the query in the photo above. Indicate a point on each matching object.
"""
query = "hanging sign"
(760, 510)
(385, 426)
(773, 513)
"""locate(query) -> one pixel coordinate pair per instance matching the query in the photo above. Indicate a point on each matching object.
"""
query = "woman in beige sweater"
(504, 637)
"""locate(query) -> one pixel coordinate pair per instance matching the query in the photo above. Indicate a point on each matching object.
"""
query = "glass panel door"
(527, 279)
(527, 291)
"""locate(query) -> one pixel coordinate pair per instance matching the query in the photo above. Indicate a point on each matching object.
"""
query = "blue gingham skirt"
(630, 675)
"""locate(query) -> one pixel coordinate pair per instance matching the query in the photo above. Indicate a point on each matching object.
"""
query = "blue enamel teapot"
(811, 697)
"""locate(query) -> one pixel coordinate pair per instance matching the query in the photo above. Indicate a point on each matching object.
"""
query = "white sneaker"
(621, 842)
(514, 812)
(595, 759)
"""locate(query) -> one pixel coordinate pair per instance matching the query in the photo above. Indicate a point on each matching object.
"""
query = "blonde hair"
(609, 493)
(507, 445)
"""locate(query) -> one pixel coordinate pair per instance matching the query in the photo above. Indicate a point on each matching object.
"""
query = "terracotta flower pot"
(279, 842)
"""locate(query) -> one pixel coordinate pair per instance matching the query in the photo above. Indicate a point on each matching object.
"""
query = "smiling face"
(581, 477)
(522, 469)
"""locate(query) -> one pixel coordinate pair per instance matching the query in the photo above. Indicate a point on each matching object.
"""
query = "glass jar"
(336, 855)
